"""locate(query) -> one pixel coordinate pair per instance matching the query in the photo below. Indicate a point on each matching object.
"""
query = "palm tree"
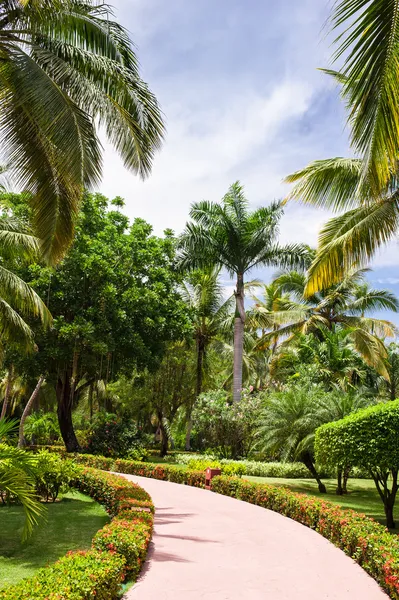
(366, 187)
(16, 480)
(204, 295)
(67, 68)
(230, 236)
(288, 425)
(342, 306)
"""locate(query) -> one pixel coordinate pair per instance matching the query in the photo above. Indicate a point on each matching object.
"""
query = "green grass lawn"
(362, 497)
(68, 525)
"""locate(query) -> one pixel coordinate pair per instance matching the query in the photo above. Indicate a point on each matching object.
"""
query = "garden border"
(118, 549)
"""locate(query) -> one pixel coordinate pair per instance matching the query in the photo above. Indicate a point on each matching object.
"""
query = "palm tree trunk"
(308, 462)
(27, 410)
(238, 338)
(7, 392)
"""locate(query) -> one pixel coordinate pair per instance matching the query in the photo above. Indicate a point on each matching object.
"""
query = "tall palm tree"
(230, 236)
(365, 187)
(204, 295)
(342, 306)
(66, 69)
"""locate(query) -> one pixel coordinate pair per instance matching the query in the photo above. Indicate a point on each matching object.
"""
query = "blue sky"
(243, 99)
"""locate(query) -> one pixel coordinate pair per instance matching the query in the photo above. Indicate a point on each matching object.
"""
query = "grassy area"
(362, 497)
(69, 525)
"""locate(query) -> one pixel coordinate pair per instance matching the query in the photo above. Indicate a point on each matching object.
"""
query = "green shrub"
(367, 439)
(113, 436)
(78, 576)
(52, 475)
(290, 470)
(367, 542)
(129, 535)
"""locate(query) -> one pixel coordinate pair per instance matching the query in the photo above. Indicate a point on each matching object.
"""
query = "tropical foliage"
(67, 67)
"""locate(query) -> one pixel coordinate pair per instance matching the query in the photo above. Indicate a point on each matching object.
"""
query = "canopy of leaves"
(367, 438)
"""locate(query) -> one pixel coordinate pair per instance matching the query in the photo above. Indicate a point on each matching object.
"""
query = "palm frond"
(369, 45)
(351, 240)
(330, 183)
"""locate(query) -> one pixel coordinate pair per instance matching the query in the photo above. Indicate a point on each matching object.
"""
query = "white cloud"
(203, 154)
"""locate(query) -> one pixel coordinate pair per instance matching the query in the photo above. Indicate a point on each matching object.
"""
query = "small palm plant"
(16, 478)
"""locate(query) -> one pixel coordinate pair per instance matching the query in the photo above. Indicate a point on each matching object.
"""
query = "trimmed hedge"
(118, 549)
(363, 539)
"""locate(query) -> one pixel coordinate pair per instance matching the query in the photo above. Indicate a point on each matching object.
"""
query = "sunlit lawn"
(362, 497)
(69, 525)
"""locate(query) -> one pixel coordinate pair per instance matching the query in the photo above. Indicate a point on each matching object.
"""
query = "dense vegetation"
(115, 342)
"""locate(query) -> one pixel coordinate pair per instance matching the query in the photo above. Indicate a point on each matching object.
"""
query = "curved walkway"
(210, 547)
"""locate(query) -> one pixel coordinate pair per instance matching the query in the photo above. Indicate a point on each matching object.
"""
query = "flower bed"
(118, 549)
(366, 541)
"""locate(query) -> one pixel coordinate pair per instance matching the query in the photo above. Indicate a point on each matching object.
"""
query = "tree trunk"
(91, 401)
(339, 491)
(308, 462)
(7, 392)
(346, 474)
(388, 508)
(238, 338)
(64, 412)
(164, 440)
(27, 410)
(200, 363)
(189, 427)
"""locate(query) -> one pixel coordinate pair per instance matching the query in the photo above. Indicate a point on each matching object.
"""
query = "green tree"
(115, 304)
(160, 393)
(230, 236)
(68, 67)
(367, 438)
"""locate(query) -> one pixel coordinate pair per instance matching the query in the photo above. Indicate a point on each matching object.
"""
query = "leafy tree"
(67, 67)
(115, 304)
(229, 429)
(160, 393)
(230, 236)
(367, 439)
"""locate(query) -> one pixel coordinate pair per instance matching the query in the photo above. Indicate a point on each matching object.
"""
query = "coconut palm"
(342, 306)
(230, 236)
(68, 68)
(366, 187)
(16, 481)
(204, 295)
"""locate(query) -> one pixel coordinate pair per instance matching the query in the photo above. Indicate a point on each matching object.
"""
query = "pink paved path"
(210, 547)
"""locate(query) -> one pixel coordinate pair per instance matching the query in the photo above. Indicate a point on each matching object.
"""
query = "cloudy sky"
(243, 100)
